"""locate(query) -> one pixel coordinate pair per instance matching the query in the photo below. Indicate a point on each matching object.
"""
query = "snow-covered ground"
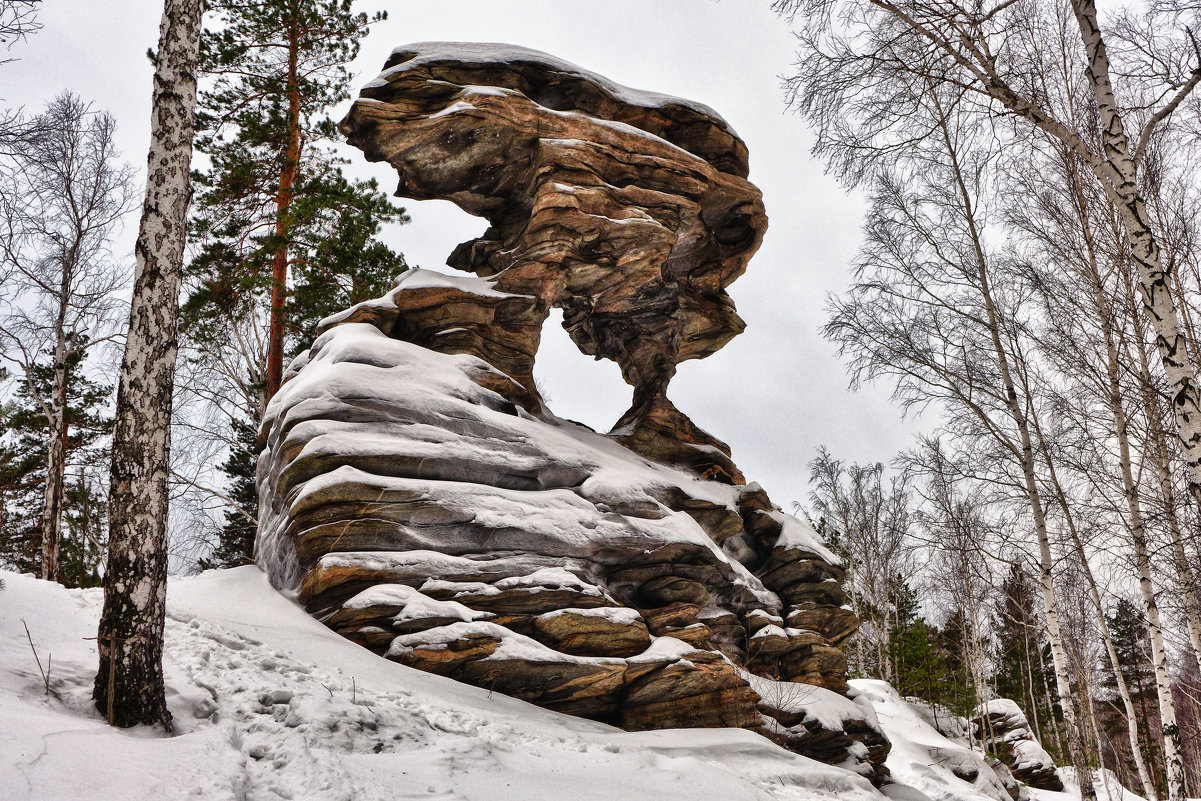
(922, 758)
(1106, 783)
(269, 704)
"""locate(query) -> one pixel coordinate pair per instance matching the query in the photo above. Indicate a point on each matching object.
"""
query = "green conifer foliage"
(23, 457)
(1020, 672)
(285, 237)
(235, 545)
(1128, 628)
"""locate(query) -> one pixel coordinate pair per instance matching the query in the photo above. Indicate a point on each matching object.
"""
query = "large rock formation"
(417, 494)
(629, 211)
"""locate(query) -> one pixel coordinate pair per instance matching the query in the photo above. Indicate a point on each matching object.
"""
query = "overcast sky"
(774, 393)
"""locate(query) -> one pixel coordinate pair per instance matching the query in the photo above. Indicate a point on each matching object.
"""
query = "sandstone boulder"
(630, 211)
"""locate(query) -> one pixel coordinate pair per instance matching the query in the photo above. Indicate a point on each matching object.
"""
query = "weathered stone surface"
(423, 502)
(445, 657)
(1007, 736)
(576, 631)
(629, 211)
(822, 725)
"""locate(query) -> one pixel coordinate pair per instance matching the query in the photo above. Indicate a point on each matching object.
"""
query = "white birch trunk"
(129, 685)
(1163, 686)
(1105, 320)
(1119, 176)
(1115, 663)
(1026, 459)
(1187, 577)
(56, 444)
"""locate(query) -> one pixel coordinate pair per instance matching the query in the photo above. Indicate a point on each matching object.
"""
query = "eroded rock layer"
(1003, 727)
(433, 520)
(630, 211)
(421, 500)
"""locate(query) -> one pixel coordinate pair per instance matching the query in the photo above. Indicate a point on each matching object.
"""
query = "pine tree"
(20, 534)
(953, 641)
(287, 238)
(1018, 670)
(1128, 627)
(265, 204)
(235, 543)
(920, 666)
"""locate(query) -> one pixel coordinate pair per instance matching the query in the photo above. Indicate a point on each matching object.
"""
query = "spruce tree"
(1018, 672)
(285, 237)
(920, 666)
(1128, 627)
(23, 464)
(952, 643)
(235, 543)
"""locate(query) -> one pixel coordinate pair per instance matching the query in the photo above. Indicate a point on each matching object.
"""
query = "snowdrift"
(271, 704)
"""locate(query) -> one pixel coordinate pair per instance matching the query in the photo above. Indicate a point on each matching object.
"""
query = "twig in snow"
(45, 673)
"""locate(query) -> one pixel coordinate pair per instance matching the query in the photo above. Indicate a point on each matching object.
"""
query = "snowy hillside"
(270, 704)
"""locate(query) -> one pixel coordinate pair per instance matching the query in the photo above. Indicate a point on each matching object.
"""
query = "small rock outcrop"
(1003, 727)
(420, 498)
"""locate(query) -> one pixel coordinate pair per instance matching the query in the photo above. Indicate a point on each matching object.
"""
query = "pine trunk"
(283, 205)
(129, 684)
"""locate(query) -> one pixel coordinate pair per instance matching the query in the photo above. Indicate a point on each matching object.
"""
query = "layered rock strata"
(421, 500)
(1003, 727)
(629, 211)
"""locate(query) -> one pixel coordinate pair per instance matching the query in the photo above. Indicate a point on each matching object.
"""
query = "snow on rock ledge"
(1007, 733)
(420, 499)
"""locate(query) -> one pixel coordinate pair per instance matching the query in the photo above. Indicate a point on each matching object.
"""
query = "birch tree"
(869, 519)
(129, 686)
(955, 530)
(18, 19)
(61, 202)
(992, 53)
(1174, 205)
(926, 312)
(1082, 270)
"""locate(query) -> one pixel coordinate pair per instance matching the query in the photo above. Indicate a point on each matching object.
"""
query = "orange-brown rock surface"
(629, 211)
(420, 498)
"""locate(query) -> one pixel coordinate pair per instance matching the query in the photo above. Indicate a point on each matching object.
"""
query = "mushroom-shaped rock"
(419, 499)
(628, 210)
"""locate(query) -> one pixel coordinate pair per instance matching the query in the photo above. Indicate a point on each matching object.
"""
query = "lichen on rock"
(422, 500)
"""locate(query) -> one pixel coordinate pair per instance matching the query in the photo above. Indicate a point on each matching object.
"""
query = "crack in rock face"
(420, 499)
